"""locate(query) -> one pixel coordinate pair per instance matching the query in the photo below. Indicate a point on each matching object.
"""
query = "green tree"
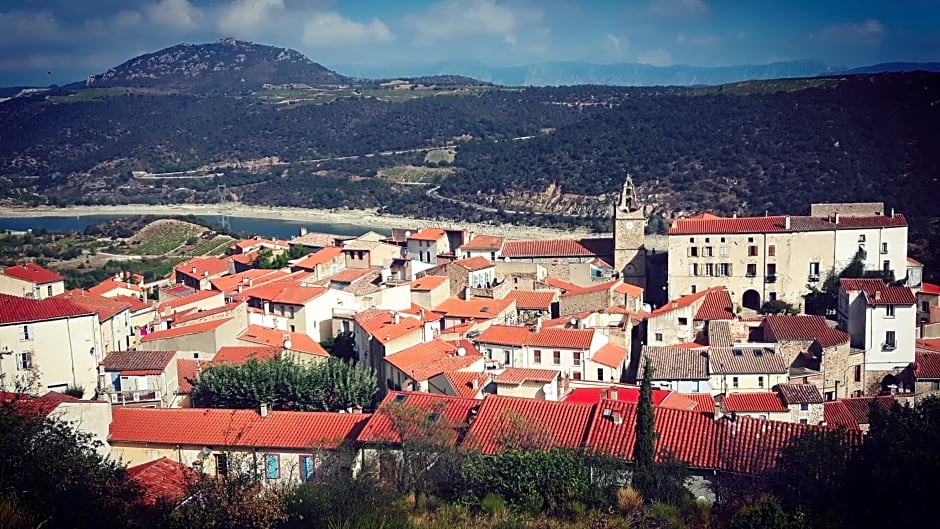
(766, 513)
(343, 346)
(644, 448)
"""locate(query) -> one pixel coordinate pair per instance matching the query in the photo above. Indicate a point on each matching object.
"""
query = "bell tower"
(629, 236)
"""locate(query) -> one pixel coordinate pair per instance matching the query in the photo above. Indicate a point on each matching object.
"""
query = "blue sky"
(58, 41)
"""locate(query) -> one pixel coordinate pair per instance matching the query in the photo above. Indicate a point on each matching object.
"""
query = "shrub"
(628, 500)
(766, 513)
(494, 505)
(75, 391)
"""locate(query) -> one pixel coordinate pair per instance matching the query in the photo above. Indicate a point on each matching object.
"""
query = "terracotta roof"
(285, 292)
(380, 324)
(425, 360)
(197, 296)
(547, 337)
(745, 360)
(260, 241)
(860, 406)
(426, 283)
(428, 234)
(33, 273)
(518, 375)
(715, 304)
(704, 403)
(477, 308)
(205, 267)
(195, 314)
(162, 480)
(505, 335)
(804, 328)
(621, 393)
(929, 344)
(453, 412)
(462, 383)
(326, 255)
(504, 421)
(753, 402)
(179, 290)
(111, 284)
(674, 363)
(558, 247)
(532, 299)
(318, 239)
(135, 304)
(610, 355)
(107, 308)
(300, 342)
(42, 405)
(930, 288)
(799, 394)
(484, 242)
(239, 354)
(249, 278)
(565, 321)
(187, 370)
(630, 290)
(184, 330)
(14, 309)
(474, 263)
(297, 430)
(878, 293)
(777, 224)
(598, 287)
(562, 285)
(837, 414)
(347, 275)
(137, 360)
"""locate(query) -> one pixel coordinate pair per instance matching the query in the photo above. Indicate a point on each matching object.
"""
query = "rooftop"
(878, 293)
(558, 247)
(518, 375)
(745, 360)
(425, 360)
(14, 309)
(162, 480)
(185, 330)
(427, 234)
(511, 422)
(199, 267)
(106, 308)
(715, 304)
(426, 283)
(382, 326)
(799, 394)
(532, 299)
(674, 363)
(610, 355)
(713, 225)
(324, 256)
(239, 354)
(476, 308)
(400, 413)
(930, 288)
(753, 402)
(152, 361)
(804, 328)
(285, 292)
(838, 415)
(32, 273)
(474, 264)
(484, 243)
(299, 342)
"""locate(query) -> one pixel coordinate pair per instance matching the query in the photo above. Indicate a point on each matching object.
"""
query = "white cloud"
(657, 57)
(698, 41)
(868, 33)
(247, 17)
(177, 15)
(677, 8)
(29, 26)
(332, 28)
(451, 19)
(616, 42)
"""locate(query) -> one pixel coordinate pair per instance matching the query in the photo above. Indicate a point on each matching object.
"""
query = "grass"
(161, 238)
(413, 174)
(213, 246)
(440, 155)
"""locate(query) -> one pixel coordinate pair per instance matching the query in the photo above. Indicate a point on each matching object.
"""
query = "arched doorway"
(751, 299)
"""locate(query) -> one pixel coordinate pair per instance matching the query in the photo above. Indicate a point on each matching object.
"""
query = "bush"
(628, 500)
(494, 505)
(766, 513)
(75, 391)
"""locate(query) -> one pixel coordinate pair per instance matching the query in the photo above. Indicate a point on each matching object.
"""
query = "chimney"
(475, 384)
(538, 324)
(837, 217)
(421, 313)
(734, 215)
(396, 317)
(195, 270)
(263, 409)
(675, 304)
(617, 417)
(877, 295)
(786, 222)
(892, 213)
(612, 394)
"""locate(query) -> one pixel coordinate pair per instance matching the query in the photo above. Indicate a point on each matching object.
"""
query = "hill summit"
(227, 65)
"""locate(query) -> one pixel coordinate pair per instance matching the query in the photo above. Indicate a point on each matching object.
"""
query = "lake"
(283, 229)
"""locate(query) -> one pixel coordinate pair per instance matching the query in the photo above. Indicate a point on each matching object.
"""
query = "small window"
(889, 311)
(885, 266)
(556, 357)
(724, 269)
(858, 374)
(804, 421)
(804, 406)
(24, 361)
(537, 356)
(693, 269)
(772, 269)
(693, 251)
(772, 250)
(772, 296)
(752, 250)
(861, 238)
(221, 465)
(307, 467)
(890, 340)
(734, 382)
(659, 337)
(707, 240)
(576, 358)
(760, 382)
(600, 373)
(26, 333)
(272, 466)
(707, 251)
(750, 239)
(884, 249)
(935, 386)
(709, 269)
(575, 375)
(49, 288)
(692, 239)
(722, 239)
(683, 321)
(751, 270)
(723, 251)
(694, 289)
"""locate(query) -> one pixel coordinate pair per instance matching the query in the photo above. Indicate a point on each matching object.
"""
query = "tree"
(343, 346)
(778, 306)
(644, 448)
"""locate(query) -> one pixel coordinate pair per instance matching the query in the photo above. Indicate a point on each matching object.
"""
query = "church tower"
(629, 237)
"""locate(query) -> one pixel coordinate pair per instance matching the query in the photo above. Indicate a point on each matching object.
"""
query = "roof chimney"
(892, 213)
(195, 270)
(617, 417)
(538, 324)
(877, 295)
(263, 409)
(786, 222)
(396, 317)
(837, 217)
(475, 383)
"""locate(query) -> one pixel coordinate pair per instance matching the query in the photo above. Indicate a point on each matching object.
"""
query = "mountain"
(898, 67)
(580, 73)
(228, 65)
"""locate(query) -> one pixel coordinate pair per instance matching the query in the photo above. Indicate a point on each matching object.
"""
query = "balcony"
(498, 291)
(813, 278)
(889, 346)
(771, 278)
(120, 398)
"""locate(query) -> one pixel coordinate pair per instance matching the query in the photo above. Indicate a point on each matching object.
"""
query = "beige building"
(207, 336)
(775, 257)
(139, 378)
(31, 281)
(542, 384)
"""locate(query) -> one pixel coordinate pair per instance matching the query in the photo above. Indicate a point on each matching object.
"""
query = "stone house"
(139, 378)
(196, 273)
(31, 280)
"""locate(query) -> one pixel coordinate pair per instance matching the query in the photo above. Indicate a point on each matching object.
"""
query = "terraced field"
(163, 236)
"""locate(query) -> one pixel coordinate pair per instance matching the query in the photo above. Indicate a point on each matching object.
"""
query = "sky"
(59, 41)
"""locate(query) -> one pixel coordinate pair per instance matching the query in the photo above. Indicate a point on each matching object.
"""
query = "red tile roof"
(462, 382)
(107, 308)
(799, 394)
(547, 337)
(599, 287)
(562, 285)
(428, 234)
(14, 309)
(505, 335)
(532, 299)
(620, 393)
(348, 275)
(300, 342)
(42, 405)
(425, 360)
(185, 330)
(929, 344)
(753, 402)
(162, 480)
(426, 283)
(138, 360)
(194, 314)
(296, 430)
(715, 304)
(200, 295)
(474, 263)
(249, 278)
(878, 293)
(111, 284)
(630, 290)
(558, 247)
(484, 242)
(32, 273)
(381, 326)
(930, 288)
(135, 304)
(674, 363)
(477, 308)
(860, 406)
(187, 370)
(777, 224)
(388, 423)
(804, 328)
(610, 355)
(204, 266)
(518, 375)
(239, 354)
(325, 255)
(745, 360)
(837, 414)
(704, 403)
(285, 292)
(510, 422)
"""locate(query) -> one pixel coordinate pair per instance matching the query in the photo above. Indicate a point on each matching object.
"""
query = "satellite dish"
(287, 344)
(407, 233)
(206, 450)
(461, 351)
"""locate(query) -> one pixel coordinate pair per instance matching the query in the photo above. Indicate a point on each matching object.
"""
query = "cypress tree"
(644, 447)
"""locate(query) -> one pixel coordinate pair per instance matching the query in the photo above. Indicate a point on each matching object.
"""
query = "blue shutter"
(272, 466)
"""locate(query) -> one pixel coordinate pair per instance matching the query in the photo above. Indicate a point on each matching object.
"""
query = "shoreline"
(355, 217)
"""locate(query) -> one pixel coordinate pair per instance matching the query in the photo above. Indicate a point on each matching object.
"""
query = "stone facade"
(629, 237)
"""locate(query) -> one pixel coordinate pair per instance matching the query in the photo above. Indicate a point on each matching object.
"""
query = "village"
(555, 332)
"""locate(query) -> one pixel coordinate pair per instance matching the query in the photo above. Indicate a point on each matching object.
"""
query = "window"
(925, 306)
(723, 251)
(272, 466)
(709, 269)
(576, 358)
(221, 464)
(683, 321)
(935, 386)
(556, 357)
(537, 356)
(600, 373)
(889, 311)
(857, 374)
(885, 266)
(49, 288)
(694, 289)
(760, 382)
(750, 239)
(804, 406)
(576, 375)
(307, 466)
(771, 269)
(692, 239)
(752, 250)
(707, 240)
(772, 250)
(751, 270)
(659, 337)
(772, 296)
(814, 271)
(884, 249)
(804, 421)
(26, 333)
(291, 312)
(707, 251)
(722, 239)
(734, 382)
(693, 269)
(861, 238)
(693, 251)
(890, 342)
(24, 361)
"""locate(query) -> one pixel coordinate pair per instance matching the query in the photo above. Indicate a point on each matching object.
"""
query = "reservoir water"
(283, 229)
